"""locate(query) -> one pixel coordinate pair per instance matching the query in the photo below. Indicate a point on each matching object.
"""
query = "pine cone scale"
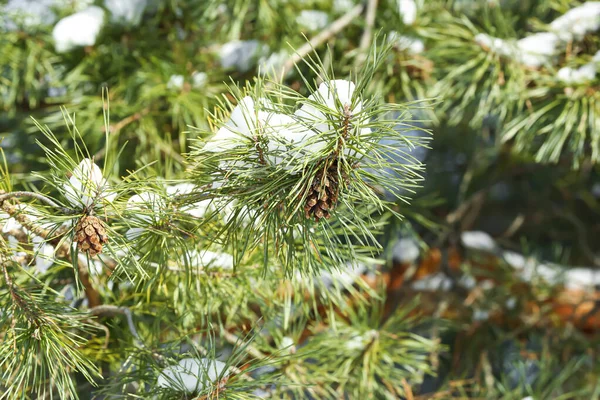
(90, 235)
(323, 194)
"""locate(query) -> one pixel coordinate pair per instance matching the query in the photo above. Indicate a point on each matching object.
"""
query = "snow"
(581, 278)
(199, 79)
(406, 251)
(434, 282)
(511, 303)
(79, 29)
(358, 341)
(198, 209)
(44, 254)
(192, 374)
(180, 189)
(10, 225)
(578, 21)
(406, 43)
(342, 6)
(241, 55)
(478, 240)
(175, 82)
(95, 267)
(284, 133)
(532, 51)
(345, 276)
(514, 259)
(480, 315)
(246, 122)
(537, 49)
(27, 14)
(85, 184)
(206, 258)
(287, 344)
(151, 206)
(288, 138)
(147, 201)
(126, 12)
(467, 281)
(580, 75)
(528, 269)
(273, 63)
(408, 11)
(332, 96)
(540, 48)
(313, 20)
(238, 130)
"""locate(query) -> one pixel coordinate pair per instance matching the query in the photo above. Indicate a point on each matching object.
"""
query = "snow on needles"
(335, 95)
(580, 75)
(241, 54)
(408, 11)
(313, 20)
(192, 375)
(578, 21)
(540, 48)
(86, 185)
(532, 51)
(309, 131)
(126, 12)
(79, 29)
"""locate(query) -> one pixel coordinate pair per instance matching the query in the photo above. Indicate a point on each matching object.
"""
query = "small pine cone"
(90, 235)
(323, 194)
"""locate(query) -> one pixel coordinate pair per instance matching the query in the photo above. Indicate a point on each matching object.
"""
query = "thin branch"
(42, 198)
(113, 128)
(64, 250)
(107, 310)
(233, 368)
(335, 27)
(365, 40)
(248, 348)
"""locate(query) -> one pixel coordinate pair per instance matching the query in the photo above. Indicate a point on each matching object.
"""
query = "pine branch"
(41, 197)
(65, 250)
(107, 310)
(247, 347)
(337, 26)
(365, 40)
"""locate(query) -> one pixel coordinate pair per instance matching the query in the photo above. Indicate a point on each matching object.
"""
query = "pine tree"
(299, 199)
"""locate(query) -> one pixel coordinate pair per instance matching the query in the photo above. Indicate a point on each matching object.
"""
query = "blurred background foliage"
(514, 154)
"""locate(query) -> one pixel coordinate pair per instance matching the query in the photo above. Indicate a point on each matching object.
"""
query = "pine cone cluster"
(323, 193)
(90, 235)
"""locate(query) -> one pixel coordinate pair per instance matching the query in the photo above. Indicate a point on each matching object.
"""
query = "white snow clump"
(79, 29)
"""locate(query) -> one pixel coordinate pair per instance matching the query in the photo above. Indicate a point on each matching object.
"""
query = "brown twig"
(253, 351)
(335, 27)
(33, 314)
(113, 128)
(407, 389)
(365, 39)
(41, 197)
(259, 150)
(64, 250)
(116, 127)
(107, 310)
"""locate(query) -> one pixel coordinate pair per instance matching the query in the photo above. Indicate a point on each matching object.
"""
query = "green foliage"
(217, 254)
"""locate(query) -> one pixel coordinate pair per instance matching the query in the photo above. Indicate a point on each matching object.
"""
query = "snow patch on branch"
(79, 29)
(192, 374)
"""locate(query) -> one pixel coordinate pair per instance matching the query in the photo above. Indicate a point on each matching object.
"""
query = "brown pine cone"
(323, 194)
(90, 235)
